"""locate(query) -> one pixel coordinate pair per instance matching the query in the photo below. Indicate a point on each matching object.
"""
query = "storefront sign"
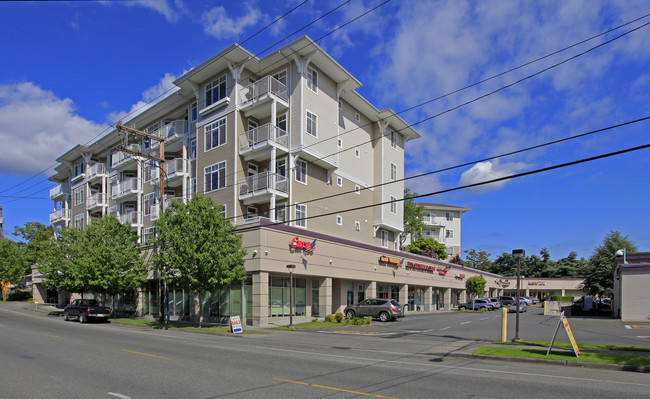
(443, 270)
(460, 276)
(386, 259)
(235, 324)
(538, 283)
(420, 266)
(503, 283)
(305, 245)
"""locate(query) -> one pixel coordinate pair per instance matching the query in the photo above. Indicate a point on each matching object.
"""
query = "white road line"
(446, 328)
(118, 395)
(467, 322)
(485, 318)
(628, 327)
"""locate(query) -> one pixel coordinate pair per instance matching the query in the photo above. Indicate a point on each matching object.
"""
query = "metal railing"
(131, 217)
(60, 214)
(177, 128)
(263, 134)
(263, 181)
(97, 199)
(120, 157)
(265, 85)
(98, 169)
(59, 189)
(126, 187)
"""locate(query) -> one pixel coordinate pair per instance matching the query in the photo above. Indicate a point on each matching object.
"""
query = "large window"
(215, 176)
(312, 79)
(281, 122)
(301, 214)
(78, 168)
(393, 205)
(79, 196)
(393, 171)
(449, 234)
(279, 296)
(194, 114)
(301, 171)
(215, 91)
(393, 139)
(384, 238)
(312, 124)
(215, 134)
(450, 217)
(192, 149)
(79, 221)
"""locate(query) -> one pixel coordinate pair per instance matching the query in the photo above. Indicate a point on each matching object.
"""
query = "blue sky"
(70, 69)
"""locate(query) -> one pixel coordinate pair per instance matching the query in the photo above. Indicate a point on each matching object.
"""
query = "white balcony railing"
(262, 135)
(60, 189)
(154, 209)
(129, 186)
(95, 200)
(96, 170)
(133, 218)
(60, 215)
(119, 157)
(264, 86)
(263, 181)
(170, 131)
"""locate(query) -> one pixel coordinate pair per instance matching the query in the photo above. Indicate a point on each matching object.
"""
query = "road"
(45, 357)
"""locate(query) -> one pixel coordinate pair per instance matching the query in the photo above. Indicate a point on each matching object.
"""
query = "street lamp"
(291, 267)
(522, 253)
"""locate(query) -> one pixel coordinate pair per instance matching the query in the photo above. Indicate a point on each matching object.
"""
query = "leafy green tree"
(61, 265)
(413, 223)
(35, 239)
(456, 260)
(199, 249)
(570, 266)
(478, 259)
(506, 265)
(599, 277)
(12, 261)
(475, 285)
(427, 247)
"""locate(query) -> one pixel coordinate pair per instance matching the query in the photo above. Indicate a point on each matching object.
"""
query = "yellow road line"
(145, 354)
(53, 336)
(2, 325)
(335, 389)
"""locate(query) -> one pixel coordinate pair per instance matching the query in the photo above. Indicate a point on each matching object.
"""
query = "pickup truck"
(86, 309)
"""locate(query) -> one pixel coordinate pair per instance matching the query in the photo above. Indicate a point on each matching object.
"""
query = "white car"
(525, 300)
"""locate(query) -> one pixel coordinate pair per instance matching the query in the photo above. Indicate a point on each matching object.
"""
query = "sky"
(476, 79)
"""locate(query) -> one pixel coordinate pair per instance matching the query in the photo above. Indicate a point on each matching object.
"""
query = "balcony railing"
(262, 87)
(62, 214)
(129, 186)
(59, 190)
(134, 218)
(119, 157)
(96, 200)
(263, 182)
(96, 170)
(170, 131)
(263, 135)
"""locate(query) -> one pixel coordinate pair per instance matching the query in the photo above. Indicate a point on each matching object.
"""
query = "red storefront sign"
(305, 245)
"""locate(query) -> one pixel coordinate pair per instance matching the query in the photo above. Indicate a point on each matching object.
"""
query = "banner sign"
(567, 328)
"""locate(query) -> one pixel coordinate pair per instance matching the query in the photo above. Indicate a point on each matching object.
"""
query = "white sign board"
(235, 324)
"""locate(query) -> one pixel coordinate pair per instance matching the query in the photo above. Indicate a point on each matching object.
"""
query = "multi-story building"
(442, 222)
(285, 144)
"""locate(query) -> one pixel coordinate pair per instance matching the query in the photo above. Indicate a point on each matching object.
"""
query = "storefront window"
(279, 303)
(382, 291)
(394, 292)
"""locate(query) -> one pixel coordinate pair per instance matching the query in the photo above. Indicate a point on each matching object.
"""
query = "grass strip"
(608, 358)
(557, 344)
(157, 325)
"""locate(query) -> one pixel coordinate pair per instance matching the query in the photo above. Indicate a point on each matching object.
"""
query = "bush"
(338, 317)
(561, 298)
(19, 296)
(330, 318)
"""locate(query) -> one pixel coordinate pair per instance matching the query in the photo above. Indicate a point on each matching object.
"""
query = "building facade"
(631, 279)
(442, 222)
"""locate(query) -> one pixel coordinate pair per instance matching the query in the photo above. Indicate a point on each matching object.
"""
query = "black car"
(383, 309)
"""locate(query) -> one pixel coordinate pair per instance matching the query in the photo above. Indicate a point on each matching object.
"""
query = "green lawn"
(154, 324)
(581, 346)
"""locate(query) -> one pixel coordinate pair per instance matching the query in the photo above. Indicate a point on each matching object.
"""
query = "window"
(393, 171)
(301, 171)
(301, 214)
(357, 225)
(339, 181)
(393, 205)
(312, 124)
(281, 77)
(152, 130)
(215, 176)
(194, 113)
(450, 251)
(79, 221)
(194, 185)
(78, 168)
(281, 167)
(215, 91)
(357, 153)
(252, 124)
(79, 196)
(393, 139)
(312, 79)
(449, 234)
(193, 149)
(281, 122)
(223, 210)
(384, 238)
(339, 220)
(281, 214)
(357, 189)
(450, 217)
(149, 200)
(215, 134)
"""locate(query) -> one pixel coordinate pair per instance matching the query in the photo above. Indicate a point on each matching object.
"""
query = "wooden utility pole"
(161, 189)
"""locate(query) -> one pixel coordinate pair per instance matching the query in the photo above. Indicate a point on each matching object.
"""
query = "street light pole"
(516, 252)
(291, 267)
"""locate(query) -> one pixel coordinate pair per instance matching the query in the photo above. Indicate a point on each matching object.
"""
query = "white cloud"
(217, 22)
(36, 127)
(486, 171)
(150, 97)
(172, 13)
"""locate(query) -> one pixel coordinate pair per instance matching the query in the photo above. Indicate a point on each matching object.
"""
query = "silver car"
(383, 309)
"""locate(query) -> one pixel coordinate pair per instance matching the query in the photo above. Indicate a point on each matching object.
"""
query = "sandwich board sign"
(567, 328)
(235, 324)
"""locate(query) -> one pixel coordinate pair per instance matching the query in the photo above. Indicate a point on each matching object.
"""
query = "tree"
(457, 260)
(427, 247)
(60, 265)
(35, 238)
(198, 248)
(599, 278)
(478, 259)
(413, 223)
(570, 266)
(475, 285)
(12, 261)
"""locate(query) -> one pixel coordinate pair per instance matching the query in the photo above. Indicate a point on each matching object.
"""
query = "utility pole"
(519, 253)
(164, 306)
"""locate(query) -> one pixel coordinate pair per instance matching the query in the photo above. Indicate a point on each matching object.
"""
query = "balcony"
(96, 172)
(132, 218)
(256, 98)
(256, 144)
(59, 191)
(259, 187)
(126, 188)
(60, 216)
(172, 132)
(175, 170)
(96, 201)
(154, 210)
(120, 159)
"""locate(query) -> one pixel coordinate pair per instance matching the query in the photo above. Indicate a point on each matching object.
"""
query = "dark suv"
(383, 309)
(507, 300)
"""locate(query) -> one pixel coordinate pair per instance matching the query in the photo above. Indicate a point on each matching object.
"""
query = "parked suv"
(476, 304)
(383, 309)
(507, 300)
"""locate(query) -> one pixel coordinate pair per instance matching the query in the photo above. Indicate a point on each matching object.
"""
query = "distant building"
(631, 280)
(442, 222)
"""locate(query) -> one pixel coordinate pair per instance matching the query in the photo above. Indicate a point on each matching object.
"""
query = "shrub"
(19, 296)
(561, 298)
(339, 317)
(330, 318)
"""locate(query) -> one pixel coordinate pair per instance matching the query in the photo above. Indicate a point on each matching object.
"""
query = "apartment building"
(287, 145)
(442, 222)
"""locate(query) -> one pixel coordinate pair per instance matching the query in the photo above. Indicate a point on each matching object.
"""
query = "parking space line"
(467, 322)
(485, 318)
(335, 389)
(446, 328)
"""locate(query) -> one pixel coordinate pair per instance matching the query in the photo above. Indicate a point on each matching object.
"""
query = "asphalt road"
(45, 357)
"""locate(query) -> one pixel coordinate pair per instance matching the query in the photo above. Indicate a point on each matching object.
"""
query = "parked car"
(382, 309)
(512, 308)
(86, 309)
(533, 299)
(507, 300)
(525, 300)
(477, 304)
(495, 303)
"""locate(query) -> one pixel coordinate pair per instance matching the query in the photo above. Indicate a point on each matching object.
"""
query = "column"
(260, 309)
(428, 299)
(325, 296)
(371, 290)
(446, 294)
(462, 297)
(404, 296)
